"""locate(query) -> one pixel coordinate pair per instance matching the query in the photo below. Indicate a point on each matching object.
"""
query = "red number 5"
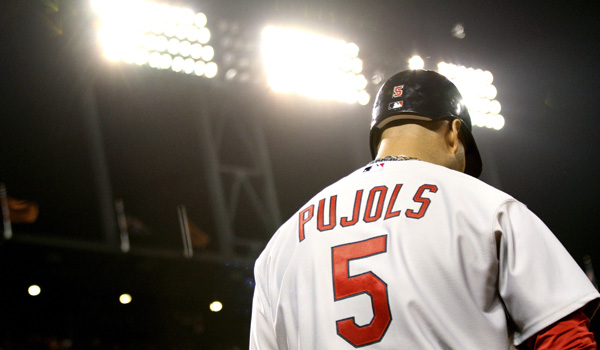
(398, 91)
(346, 286)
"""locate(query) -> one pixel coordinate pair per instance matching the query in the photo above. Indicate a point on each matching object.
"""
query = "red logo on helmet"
(398, 91)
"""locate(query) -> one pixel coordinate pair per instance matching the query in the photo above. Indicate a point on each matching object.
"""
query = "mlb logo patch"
(395, 105)
(374, 167)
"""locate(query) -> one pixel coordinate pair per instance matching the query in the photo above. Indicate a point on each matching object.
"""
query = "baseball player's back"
(405, 254)
(418, 254)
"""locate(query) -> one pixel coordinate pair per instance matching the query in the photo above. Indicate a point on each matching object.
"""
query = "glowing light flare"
(185, 48)
(208, 53)
(357, 65)
(487, 77)
(196, 51)
(498, 122)
(216, 306)
(230, 74)
(312, 65)
(181, 32)
(169, 29)
(203, 35)
(141, 57)
(352, 50)
(147, 33)
(490, 92)
(165, 61)
(161, 44)
(200, 20)
(199, 68)
(154, 60)
(478, 93)
(173, 46)
(360, 82)
(363, 98)
(125, 299)
(495, 107)
(177, 65)
(117, 40)
(188, 66)
(34, 290)
(187, 16)
(416, 62)
(210, 70)
(192, 34)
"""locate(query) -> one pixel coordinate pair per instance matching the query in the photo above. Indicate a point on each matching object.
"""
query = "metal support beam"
(242, 184)
(7, 232)
(215, 185)
(99, 166)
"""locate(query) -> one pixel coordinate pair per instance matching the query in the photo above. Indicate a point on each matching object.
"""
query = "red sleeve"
(571, 332)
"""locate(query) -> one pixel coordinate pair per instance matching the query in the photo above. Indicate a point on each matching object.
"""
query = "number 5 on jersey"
(346, 286)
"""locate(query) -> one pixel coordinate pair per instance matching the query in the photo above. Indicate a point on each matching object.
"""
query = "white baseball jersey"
(412, 255)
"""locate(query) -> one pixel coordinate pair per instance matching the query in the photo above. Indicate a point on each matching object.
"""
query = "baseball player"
(412, 251)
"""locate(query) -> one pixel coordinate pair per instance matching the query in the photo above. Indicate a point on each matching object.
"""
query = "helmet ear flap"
(429, 95)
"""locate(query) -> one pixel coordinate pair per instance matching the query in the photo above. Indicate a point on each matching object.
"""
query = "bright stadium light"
(125, 298)
(312, 65)
(34, 290)
(157, 35)
(476, 87)
(216, 306)
(416, 62)
(210, 70)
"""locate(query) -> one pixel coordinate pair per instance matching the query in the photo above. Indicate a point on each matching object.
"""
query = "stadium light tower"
(156, 35)
(312, 65)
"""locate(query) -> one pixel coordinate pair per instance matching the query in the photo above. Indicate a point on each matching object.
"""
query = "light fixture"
(125, 299)
(157, 35)
(476, 88)
(313, 65)
(216, 306)
(34, 290)
(416, 62)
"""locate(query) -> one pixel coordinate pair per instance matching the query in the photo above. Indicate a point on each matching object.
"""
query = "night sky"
(544, 58)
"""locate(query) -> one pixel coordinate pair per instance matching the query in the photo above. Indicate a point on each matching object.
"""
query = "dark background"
(544, 57)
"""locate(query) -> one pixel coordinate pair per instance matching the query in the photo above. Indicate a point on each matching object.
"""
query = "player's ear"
(453, 135)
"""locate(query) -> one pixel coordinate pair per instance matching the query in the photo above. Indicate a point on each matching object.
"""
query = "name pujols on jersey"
(378, 206)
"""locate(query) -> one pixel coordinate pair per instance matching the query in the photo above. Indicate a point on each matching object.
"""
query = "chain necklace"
(394, 159)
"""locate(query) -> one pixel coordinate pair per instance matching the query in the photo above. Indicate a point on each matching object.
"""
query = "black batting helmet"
(428, 94)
